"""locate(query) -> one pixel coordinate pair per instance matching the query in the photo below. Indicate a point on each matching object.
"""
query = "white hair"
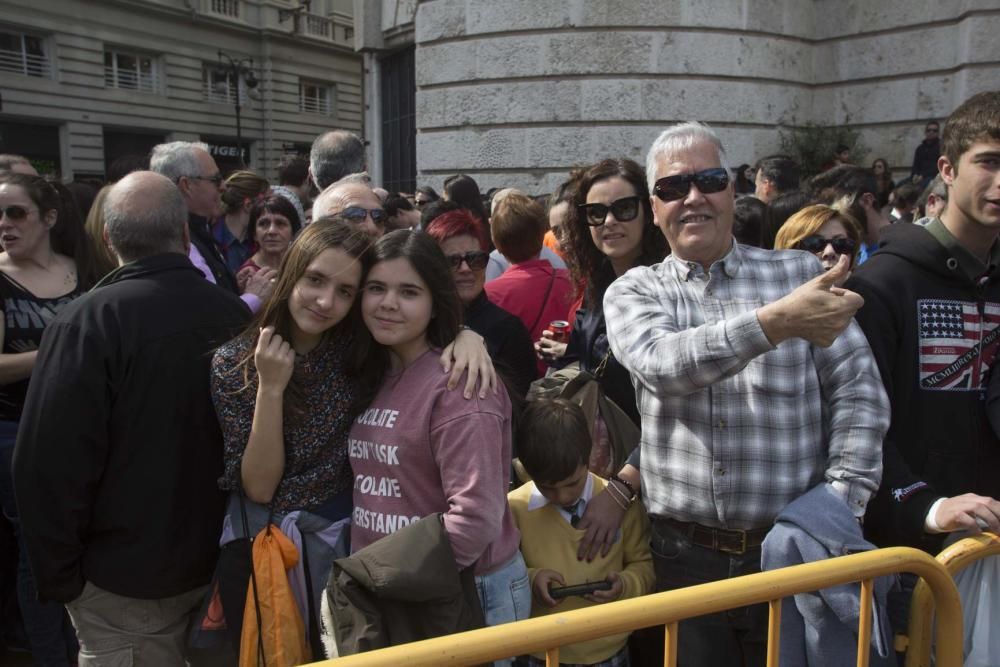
(677, 139)
(176, 159)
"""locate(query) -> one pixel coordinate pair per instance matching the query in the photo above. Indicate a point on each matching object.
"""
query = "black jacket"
(507, 340)
(403, 588)
(202, 239)
(925, 159)
(934, 333)
(119, 448)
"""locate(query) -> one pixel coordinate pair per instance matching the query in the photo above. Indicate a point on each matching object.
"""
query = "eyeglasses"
(931, 130)
(357, 215)
(215, 180)
(420, 203)
(709, 181)
(624, 210)
(477, 260)
(817, 244)
(15, 212)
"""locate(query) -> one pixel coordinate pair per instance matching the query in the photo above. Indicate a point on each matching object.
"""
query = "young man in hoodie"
(932, 317)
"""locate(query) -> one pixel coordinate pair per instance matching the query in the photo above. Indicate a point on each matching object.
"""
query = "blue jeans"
(734, 637)
(50, 634)
(505, 595)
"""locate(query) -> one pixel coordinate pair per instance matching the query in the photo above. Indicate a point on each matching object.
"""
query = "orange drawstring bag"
(281, 640)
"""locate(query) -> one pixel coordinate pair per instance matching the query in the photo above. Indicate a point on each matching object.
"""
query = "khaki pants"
(116, 631)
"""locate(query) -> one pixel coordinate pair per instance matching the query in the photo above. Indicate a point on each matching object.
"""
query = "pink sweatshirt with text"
(420, 449)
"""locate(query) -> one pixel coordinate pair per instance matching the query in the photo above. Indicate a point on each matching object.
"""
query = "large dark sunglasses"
(15, 212)
(817, 244)
(709, 181)
(357, 214)
(215, 180)
(624, 210)
(477, 260)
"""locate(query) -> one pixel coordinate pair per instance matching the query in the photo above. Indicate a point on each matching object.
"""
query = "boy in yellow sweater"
(553, 443)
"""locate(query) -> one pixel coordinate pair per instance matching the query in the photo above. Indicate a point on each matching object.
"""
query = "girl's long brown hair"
(323, 234)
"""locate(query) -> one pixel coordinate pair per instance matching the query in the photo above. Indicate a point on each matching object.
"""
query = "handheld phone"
(559, 593)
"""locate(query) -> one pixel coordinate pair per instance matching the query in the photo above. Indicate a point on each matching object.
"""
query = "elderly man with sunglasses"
(352, 200)
(754, 385)
(193, 170)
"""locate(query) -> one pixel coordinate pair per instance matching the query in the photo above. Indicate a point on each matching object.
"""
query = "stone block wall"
(519, 92)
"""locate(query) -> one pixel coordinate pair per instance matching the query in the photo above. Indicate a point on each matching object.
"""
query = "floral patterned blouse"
(316, 463)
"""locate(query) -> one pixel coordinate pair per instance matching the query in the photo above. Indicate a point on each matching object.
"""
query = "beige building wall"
(184, 36)
(519, 92)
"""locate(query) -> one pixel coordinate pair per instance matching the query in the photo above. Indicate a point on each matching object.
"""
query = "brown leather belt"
(719, 539)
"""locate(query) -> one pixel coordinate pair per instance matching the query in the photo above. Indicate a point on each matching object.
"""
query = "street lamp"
(237, 70)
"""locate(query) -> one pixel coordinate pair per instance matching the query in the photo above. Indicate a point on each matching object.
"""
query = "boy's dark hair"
(977, 119)
(780, 170)
(553, 439)
(748, 220)
(906, 194)
(436, 208)
(845, 179)
(293, 170)
(395, 203)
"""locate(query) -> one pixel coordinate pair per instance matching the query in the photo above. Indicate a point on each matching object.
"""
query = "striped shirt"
(733, 428)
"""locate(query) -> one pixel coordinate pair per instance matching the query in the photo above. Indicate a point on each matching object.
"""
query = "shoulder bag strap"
(545, 302)
(261, 660)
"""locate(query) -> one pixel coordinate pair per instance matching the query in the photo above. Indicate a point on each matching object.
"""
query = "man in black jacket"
(119, 448)
(925, 157)
(199, 181)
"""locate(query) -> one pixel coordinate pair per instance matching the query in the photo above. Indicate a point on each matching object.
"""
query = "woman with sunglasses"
(608, 230)
(825, 231)
(47, 263)
(464, 245)
(286, 391)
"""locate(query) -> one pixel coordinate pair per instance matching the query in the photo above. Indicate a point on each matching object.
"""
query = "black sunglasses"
(624, 210)
(215, 180)
(476, 260)
(709, 181)
(357, 214)
(817, 243)
(15, 212)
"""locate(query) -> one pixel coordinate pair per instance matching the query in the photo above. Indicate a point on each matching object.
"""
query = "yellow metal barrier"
(958, 556)
(549, 632)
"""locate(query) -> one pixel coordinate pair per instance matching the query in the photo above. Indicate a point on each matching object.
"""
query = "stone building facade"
(520, 91)
(83, 82)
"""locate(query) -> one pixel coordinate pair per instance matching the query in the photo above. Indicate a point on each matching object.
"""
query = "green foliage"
(814, 146)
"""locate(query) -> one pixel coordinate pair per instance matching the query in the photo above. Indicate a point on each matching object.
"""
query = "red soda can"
(560, 330)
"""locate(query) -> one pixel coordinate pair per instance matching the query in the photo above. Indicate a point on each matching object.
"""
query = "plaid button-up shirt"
(733, 428)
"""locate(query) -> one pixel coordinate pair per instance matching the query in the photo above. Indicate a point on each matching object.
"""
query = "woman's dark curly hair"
(586, 263)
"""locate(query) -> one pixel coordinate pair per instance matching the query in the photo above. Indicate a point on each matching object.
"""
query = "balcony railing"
(319, 26)
(224, 97)
(227, 8)
(324, 28)
(146, 82)
(314, 105)
(20, 62)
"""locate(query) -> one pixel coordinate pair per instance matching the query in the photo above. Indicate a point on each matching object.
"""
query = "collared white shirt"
(537, 500)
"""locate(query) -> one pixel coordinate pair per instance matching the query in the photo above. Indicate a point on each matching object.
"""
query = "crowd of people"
(195, 363)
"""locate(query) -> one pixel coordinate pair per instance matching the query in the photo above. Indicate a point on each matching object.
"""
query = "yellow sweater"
(548, 541)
